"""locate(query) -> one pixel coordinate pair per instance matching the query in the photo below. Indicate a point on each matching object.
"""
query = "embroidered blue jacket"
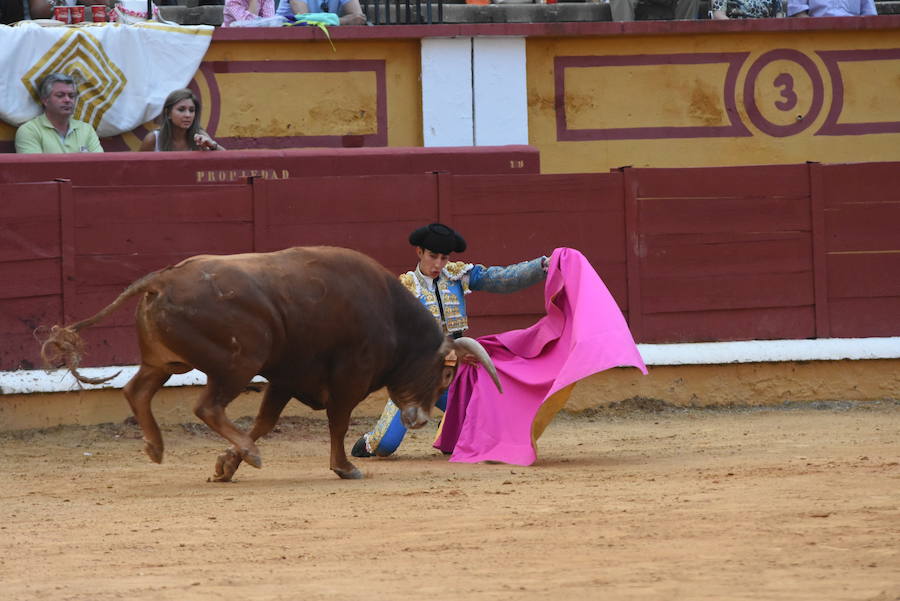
(458, 279)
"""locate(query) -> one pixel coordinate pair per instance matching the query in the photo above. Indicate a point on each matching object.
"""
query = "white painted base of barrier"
(700, 353)
(765, 351)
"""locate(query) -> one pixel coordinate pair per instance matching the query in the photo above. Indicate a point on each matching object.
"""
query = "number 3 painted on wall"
(786, 83)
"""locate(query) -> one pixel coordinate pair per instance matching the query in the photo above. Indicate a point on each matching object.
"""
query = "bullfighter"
(441, 286)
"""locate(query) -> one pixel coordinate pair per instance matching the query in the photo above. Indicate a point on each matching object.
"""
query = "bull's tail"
(64, 347)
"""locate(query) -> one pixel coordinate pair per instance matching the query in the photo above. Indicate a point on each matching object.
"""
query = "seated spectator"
(41, 9)
(745, 9)
(54, 130)
(179, 126)
(247, 10)
(13, 11)
(649, 10)
(349, 11)
(830, 8)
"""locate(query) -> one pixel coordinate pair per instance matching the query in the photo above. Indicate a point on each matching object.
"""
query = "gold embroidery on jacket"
(409, 281)
(456, 269)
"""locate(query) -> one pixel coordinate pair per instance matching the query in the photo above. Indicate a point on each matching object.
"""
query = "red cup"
(77, 13)
(98, 13)
(61, 13)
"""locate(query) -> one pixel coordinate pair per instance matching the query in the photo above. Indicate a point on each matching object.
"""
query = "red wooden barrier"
(862, 248)
(795, 251)
(369, 213)
(725, 255)
(506, 219)
(121, 233)
(30, 268)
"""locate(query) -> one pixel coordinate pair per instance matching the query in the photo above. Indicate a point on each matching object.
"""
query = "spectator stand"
(426, 12)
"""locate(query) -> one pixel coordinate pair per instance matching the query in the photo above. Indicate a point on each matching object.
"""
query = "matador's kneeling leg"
(388, 433)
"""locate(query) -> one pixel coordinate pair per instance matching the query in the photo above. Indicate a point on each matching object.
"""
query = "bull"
(324, 325)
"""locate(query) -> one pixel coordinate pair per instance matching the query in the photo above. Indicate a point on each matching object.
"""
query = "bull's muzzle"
(414, 417)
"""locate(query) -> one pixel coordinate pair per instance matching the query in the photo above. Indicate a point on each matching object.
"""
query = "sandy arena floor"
(630, 503)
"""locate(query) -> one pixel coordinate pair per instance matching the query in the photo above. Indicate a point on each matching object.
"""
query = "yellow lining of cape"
(548, 411)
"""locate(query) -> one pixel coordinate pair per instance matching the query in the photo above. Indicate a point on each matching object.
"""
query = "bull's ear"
(447, 376)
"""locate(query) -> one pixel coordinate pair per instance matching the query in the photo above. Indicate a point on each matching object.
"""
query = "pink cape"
(583, 333)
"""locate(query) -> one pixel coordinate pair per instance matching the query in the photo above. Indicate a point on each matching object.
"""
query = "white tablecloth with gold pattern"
(124, 72)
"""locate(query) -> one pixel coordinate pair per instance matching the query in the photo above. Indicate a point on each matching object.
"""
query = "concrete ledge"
(696, 386)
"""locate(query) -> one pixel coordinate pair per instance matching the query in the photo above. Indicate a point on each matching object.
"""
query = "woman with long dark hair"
(180, 126)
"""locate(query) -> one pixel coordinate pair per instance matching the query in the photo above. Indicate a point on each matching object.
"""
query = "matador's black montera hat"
(438, 238)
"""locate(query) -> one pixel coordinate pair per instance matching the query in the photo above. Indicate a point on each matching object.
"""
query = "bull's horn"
(470, 346)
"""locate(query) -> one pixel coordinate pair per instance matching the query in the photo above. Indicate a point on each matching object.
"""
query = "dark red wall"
(768, 252)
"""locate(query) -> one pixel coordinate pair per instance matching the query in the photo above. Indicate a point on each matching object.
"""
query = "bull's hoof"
(353, 474)
(154, 452)
(252, 458)
(226, 465)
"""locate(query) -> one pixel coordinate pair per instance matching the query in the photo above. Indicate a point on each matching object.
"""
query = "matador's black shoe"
(359, 449)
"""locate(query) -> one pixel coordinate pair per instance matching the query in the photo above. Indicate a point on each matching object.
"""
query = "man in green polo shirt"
(55, 131)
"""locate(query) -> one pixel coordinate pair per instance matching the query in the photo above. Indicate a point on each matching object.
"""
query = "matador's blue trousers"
(388, 433)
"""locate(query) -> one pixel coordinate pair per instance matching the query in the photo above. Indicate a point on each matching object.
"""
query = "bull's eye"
(446, 378)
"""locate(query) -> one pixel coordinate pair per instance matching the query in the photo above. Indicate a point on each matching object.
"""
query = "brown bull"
(324, 325)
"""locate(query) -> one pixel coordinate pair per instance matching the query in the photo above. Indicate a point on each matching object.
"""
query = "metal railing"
(405, 12)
